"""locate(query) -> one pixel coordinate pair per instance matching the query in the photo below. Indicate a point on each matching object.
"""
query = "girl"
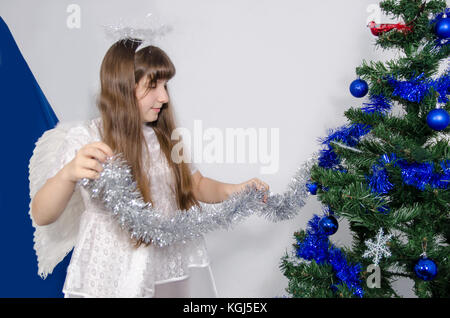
(137, 121)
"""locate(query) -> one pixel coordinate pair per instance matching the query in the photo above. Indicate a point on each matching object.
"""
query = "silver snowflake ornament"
(378, 249)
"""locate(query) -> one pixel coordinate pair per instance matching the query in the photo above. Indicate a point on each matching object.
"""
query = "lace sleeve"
(53, 150)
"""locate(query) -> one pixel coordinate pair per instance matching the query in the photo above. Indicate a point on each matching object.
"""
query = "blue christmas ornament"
(425, 269)
(438, 119)
(316, 246)
(359, 88)
(328, 225)
(442, 28)
(312, 187)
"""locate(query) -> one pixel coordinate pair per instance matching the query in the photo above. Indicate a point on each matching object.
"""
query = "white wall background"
(256, 63)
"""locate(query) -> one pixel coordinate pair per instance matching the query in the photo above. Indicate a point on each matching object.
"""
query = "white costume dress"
(105, 262)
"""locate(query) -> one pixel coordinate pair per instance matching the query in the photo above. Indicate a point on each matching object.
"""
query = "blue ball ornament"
(442, 28)
(438, 119)
(359, 88)
(312, 187)
(425, 269)
(328, 225)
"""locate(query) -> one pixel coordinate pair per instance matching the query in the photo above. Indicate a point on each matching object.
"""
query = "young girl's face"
(150, 101)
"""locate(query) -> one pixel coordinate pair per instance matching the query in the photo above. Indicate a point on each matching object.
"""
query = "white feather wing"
(54, 149)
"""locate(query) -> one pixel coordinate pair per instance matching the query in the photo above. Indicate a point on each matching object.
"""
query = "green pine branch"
(416, 216)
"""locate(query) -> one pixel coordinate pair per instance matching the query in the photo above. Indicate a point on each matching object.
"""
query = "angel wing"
(54, 149)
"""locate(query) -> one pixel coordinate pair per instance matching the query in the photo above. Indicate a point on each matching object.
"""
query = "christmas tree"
(387, 174)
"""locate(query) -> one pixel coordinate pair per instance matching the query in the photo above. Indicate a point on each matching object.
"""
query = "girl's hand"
(255, 182)
(86, 163)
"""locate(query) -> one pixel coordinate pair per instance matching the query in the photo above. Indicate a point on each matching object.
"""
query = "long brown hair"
(122, 68)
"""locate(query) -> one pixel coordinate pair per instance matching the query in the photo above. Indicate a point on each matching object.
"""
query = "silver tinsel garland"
(118, 192)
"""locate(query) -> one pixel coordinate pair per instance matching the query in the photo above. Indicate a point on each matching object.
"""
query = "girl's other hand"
(255, 182)
(86, 163)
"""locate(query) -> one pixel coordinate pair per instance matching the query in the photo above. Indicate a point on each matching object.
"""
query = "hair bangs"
(162, 69)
